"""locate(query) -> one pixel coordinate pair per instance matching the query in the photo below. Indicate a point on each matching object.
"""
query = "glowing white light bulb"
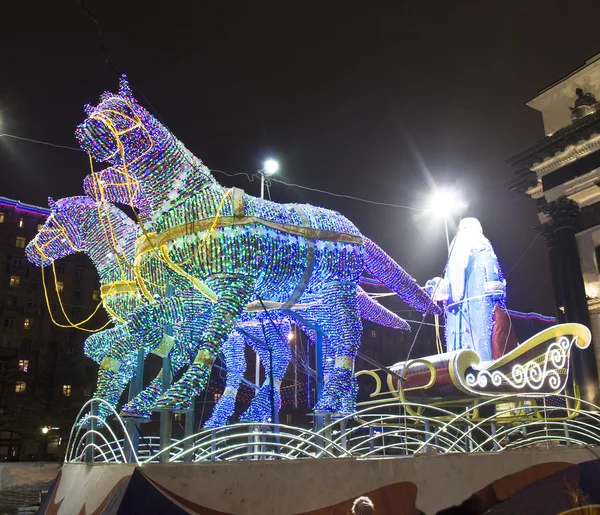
(270, 167)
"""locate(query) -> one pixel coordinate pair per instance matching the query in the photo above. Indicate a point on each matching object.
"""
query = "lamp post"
(445, 203)
(45, 431)
(270, 166)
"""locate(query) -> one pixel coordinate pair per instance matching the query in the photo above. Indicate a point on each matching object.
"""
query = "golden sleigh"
(537, 368)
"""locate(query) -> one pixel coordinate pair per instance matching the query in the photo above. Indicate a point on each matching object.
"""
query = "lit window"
(60, 269)
(40, 227)
(217, 396)
(23, 365)
(27, 324)
(96, 295)
(9, 322)
(373, 333)
(60, 286)
(66, 390)
(21, 222)
(288, 419)
(1, 218)
(15, 280)
(20, 386)
(20, 242)
(178, 417)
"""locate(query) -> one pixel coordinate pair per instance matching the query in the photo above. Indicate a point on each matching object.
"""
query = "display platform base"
(317, 486)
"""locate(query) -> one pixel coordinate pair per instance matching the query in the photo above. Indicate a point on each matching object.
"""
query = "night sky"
(368, 99)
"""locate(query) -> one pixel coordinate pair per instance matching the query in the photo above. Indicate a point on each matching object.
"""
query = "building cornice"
(570, 154)
(548, 147)
(22, 206)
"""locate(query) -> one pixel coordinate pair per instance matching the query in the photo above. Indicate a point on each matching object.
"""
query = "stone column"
(547, 232)
(564, 214)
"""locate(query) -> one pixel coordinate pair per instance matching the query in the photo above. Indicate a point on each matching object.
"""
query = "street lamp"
(444, 203)
(270, 166)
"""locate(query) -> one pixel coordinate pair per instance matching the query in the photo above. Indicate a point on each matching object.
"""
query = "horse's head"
(114, 185)
(60, 236)
(118, 130)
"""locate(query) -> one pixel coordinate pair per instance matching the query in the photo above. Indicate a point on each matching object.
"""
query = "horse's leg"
(273, 331)
(184, 340)
(235, 363)
(233, 294)
(113, 377)
(116, 367)
(340, 320)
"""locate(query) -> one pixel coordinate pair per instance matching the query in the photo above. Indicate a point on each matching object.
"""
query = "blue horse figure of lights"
(239, 249)
(106, 235)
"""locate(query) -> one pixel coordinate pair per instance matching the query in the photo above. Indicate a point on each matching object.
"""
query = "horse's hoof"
(339, 393)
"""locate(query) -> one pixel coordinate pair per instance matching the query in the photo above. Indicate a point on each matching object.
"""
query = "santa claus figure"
(473, 292)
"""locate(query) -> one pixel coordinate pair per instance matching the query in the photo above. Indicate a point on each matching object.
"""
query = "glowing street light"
(290, 336)
(45, 430)
(444, 203)
(270, 166)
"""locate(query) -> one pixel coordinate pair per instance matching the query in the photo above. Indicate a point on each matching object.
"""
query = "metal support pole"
(371, 439)
(328, 431)
(257, 362)
(318, 420)
(447, 235)
(566, 432)
(189, 431)
(90, 439)
(132, 424)
(546, 425)
(166, 417)
(344, 438)
(493, 431)
(213, 445)
(427, 446)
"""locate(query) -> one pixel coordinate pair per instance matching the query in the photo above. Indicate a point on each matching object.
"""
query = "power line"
(523, 255)
(251, 178)
(40, 142)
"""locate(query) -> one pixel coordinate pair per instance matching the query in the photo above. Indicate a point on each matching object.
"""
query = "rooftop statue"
(585, 104)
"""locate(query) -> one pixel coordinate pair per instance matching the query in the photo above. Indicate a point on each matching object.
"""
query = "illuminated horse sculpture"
(239, 250)
(107, 235)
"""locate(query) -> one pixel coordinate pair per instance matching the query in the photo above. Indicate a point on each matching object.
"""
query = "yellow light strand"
(76, 326)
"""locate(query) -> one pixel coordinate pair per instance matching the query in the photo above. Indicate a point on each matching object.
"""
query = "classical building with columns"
(561, 172)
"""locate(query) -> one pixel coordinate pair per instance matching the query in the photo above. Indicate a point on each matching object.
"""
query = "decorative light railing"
(401, 430)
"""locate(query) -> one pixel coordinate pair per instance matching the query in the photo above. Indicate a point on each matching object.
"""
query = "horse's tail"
(371, 310)
(391, 274)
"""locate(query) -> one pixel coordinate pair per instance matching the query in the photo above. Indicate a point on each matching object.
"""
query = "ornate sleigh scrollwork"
(537, 367)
